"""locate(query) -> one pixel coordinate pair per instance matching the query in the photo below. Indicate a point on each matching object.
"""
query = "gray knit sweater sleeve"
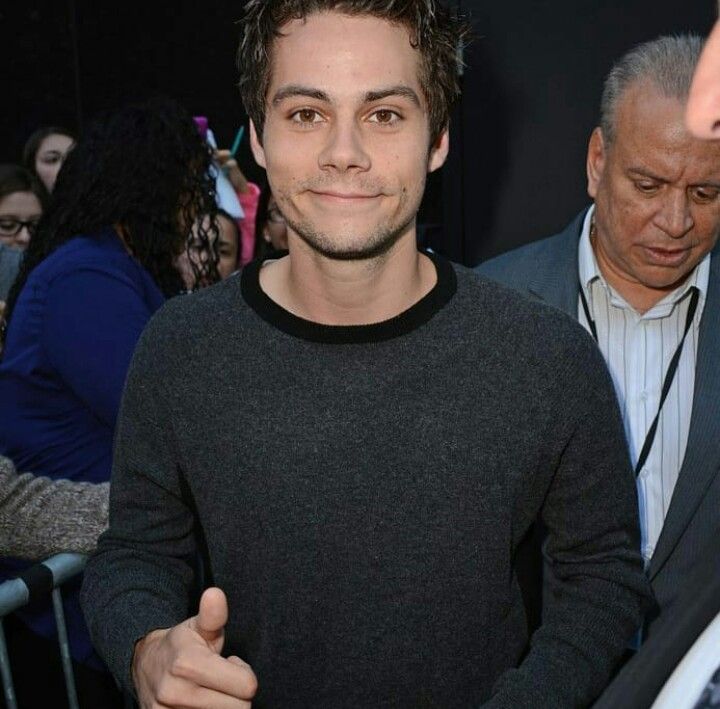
(157, 573)
(40, 517)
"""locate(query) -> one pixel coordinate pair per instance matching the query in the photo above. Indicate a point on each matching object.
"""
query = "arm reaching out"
(182, 666)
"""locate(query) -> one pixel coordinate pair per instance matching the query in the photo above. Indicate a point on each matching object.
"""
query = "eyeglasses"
(10, 226)
(275, 216)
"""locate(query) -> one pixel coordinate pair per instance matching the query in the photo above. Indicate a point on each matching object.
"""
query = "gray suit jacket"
(548, 270)
(9, 266)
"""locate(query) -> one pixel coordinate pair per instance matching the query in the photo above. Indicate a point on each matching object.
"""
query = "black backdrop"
(531, 89)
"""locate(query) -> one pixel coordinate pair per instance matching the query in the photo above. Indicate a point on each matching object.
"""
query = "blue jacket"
(68, 348)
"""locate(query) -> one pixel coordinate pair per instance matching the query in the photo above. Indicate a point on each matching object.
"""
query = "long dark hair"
(33, 143)
(14, 178)
(143, 167)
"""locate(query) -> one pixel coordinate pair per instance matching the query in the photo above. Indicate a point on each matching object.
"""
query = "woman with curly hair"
(100, 263)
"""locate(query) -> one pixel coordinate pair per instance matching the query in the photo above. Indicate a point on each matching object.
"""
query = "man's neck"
(334, 292)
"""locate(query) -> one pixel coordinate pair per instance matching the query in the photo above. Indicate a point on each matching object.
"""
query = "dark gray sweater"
(360, 493)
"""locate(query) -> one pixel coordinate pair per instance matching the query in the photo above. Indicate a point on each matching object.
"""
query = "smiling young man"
(372, 430)
(640, 270)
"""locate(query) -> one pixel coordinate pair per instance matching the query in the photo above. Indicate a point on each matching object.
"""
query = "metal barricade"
(16, 593)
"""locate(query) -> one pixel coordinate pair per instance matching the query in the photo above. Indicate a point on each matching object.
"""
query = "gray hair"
(667, 62)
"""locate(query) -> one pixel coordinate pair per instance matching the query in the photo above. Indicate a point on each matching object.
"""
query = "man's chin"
(337, 248)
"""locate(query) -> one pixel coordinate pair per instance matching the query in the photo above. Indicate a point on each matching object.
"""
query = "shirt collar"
(589, 273)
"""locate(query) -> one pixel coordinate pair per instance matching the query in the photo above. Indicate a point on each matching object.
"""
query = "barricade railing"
(36, 582)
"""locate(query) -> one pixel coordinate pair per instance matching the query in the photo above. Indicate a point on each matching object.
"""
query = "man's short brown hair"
(437, 33)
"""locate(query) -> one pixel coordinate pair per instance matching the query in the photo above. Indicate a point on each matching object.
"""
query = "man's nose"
(674, 216)
(345, 148)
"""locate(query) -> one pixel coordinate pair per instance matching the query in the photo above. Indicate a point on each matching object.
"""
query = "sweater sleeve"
(140, 577)
(597, 595)
(40, 517)
(92, 322)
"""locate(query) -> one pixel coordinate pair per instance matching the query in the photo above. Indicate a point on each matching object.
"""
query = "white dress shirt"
(638, 349)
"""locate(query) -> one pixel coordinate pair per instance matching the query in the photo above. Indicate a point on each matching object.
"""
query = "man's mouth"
(666, 257)
(344, 196)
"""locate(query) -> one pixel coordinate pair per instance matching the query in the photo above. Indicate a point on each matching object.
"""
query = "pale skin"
(347, 148)
(657, 195)
(703, 109)
(50, 156)
(19, 206)
(344, 154)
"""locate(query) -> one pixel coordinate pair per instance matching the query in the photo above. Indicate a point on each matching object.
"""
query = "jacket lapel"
(557, 282)
(702, 456)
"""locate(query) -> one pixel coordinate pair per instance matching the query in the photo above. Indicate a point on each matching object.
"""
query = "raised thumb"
(212, 615)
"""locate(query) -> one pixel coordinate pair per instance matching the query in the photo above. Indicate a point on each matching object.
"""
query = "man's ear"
(596, 161)
(439, 151)
(256, 147)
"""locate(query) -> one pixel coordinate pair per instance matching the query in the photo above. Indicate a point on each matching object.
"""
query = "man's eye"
(646, 187)
(704, 194)
(385, 117)
(306, 116)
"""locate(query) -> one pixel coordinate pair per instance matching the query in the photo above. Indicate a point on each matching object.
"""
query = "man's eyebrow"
(642, 172)
(293, 90)
(399, 90)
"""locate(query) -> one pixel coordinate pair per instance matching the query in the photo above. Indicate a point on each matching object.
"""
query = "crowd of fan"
(96, 232)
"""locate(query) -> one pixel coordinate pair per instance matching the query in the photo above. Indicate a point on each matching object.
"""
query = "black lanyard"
(669, 375)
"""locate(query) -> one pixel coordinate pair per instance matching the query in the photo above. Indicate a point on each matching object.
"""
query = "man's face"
(703, 109)
(656, 192)
(346, 134)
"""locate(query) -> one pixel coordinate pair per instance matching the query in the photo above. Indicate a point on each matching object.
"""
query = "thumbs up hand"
(182, 667)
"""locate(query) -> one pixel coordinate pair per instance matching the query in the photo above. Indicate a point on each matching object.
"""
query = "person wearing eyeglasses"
(22, 199)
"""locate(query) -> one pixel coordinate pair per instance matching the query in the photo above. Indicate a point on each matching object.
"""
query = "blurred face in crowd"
(19, 214)
(346, 140)
(703, 109)
(656, 190)
(275, 228)
(225, 245)
(50, 156)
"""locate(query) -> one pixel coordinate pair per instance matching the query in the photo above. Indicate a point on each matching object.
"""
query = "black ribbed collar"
(403, 323)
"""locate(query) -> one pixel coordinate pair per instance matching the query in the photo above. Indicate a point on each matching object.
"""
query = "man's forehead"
(651, 137)
(326, 46)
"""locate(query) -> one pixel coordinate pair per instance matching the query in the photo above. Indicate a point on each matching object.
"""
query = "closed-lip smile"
(336, 194)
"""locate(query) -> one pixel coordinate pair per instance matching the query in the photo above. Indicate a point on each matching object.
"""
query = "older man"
(639, 271)
(679, 666)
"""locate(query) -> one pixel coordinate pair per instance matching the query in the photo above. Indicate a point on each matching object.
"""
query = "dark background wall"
(531, 90)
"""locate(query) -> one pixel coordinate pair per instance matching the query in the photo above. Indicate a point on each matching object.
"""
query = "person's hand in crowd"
(182, 666)
(229, 164)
